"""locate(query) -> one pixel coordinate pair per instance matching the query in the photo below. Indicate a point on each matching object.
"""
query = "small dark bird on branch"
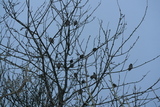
(83, 81)
(71, 61)
(94, 49)
(51, 40)
(80, 91)
(71, 65)
(59, 65)
(67, 23)
(94, 76)
(130, 67)
(75, 23)
(114, 85)
(75, 75)
(81, 56)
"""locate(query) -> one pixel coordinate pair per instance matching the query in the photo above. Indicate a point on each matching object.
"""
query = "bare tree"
(46, 61)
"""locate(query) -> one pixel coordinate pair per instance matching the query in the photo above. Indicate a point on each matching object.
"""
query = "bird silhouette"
(59, 65)
(67, 23)
(114, 85)
(75, 75)
(51, 40)
(75, 23)
(94, 76)
(130, 67)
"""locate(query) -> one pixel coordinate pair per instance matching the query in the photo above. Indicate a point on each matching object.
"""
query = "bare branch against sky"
(59, 53)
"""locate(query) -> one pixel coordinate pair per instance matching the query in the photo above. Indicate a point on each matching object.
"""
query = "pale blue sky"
(148, 45)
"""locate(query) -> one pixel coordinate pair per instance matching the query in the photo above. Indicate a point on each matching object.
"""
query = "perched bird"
(80, 91)
(59, 65)
(94, 49)
(51, 40)
(114, 85)
(83, 81)
(81, 56)
(130, 67)
(75, 23)
(71, 65)
(71, 61)
(75, 75)
(94, 76)
(41, 75)
(67, 23)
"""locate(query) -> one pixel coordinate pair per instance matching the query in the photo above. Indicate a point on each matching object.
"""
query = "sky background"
(147, 46)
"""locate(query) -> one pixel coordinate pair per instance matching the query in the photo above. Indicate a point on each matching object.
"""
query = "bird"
(130, 67)
(94, 49)
(80, 91)
(71, 65)
(67, 23)
(114, 85)
(51, 40)
(83, 81)
(81, 56)
(71, 61)
(75, 23)
(75, 75)
(59, 65)
(94, 76)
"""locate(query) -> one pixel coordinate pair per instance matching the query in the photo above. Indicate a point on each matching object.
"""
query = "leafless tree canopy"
(47, 60)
